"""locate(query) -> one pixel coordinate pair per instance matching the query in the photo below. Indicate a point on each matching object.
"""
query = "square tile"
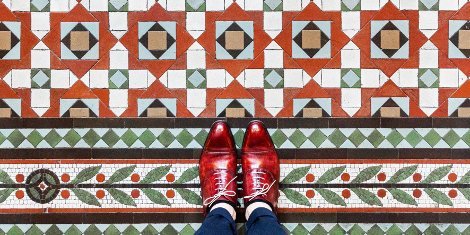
(234, 40)
(311, 39)
(157, 40)
(79, 40)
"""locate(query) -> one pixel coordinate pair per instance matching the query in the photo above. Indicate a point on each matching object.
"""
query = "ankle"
(255, 205)
(226, 206)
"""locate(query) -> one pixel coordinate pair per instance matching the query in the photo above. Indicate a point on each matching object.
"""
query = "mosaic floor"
(105, 106)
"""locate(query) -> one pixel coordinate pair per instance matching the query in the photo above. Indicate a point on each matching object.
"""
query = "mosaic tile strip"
(258, 58)
(189, 229)
(193, 138)
(64, 186)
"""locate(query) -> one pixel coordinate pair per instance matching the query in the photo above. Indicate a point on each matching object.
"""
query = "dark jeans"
(261, 221)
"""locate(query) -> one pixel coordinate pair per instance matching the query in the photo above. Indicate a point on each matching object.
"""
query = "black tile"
(302, 123)
(373, 154)
(425, 153)
(243, 122)
(195, 122)
(451, 122)
(45, 154)
(116, 153)
(150, 122)
(406, 123)
(460, 153)
(98, 122)
(354, 122)
(321, 153)
(11, 122)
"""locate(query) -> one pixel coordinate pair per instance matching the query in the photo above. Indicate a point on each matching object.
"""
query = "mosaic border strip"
(189, 229)
(148, 185)
(193, 138)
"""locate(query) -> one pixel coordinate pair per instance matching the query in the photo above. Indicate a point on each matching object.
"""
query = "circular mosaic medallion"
(42, 186)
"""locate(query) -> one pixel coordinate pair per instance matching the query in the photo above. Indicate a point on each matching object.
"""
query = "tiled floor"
(105, 106)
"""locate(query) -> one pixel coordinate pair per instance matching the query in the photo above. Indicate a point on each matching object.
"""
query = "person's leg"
(262, 220)
(219, 221)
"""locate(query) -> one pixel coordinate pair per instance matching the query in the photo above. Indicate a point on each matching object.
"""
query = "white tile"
(196, 21)
(196, 59)
(273, 59)
(196, 98)
(40, 59)
(293, 78)
(99, 79)
(370, 5)
(138, 79)
(409, 4)
(331, 78)
(331, 5)
(98, 5)
(118, 20)
(176, 78)
(351, 97)
(291, 5)
(449, 78)
(408, 77)
(59, 5)
(254, 78)
(215, 78)
(118, 59)
(429, 97)
(448, 5)
(272, 20)
(20, 5)
(40, 98)
(253, 5)
(215, 5)
(351, 20)
(118, 98)
(21, 78)
(60, 79)
(137, 5)
(273, 98)
(175, 5)
(350, 58)
(40, 21)
(370, 78)
(429, 58)
(428, 19)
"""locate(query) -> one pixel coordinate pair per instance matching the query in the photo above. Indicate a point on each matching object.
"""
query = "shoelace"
(222, 191)
(260, 191)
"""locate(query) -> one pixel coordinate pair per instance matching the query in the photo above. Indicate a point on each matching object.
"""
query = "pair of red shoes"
(218, 167)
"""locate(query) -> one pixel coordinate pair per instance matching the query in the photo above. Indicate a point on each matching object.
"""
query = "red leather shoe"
(218, 167)
(260, 165)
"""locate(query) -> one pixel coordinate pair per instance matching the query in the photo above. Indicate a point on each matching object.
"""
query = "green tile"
(375, 138)
(166, 138)
(317, 137)
(356, 230)
(238, 137)
(278, 138)
(169, 230)
(318, 229)
(110, 138)
(375, 230)
(187, 230)
(413, 138)
(91, 138)
(357, 137)
(201, 137)
(92, 230)
(73, 230)
(297, 138)
(35, 138)
(451, 138)
(16, 138)
(394, 230)
(466, 137)
(432, 230)
(130, 230)
(413, 230)
(432, 137)
(72, 137)
(394, 138)
(34, 230)
(147, 138)
(184, 138)
(52, 138)
(2, 138)
(337, 138)
(337, 230)
(15, 230)
(451, 230)
(149, 230)
(53, 230)
(129, 137)
(111, 230)
(300, 230)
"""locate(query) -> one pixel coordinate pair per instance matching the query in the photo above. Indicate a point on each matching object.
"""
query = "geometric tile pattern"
(284, 138)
